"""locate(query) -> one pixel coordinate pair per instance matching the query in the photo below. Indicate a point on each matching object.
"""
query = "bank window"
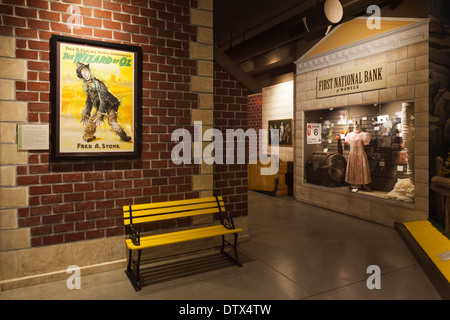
(366, 149)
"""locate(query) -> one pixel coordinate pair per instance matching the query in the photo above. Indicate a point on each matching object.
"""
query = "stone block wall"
(278, 104)
(407, 80)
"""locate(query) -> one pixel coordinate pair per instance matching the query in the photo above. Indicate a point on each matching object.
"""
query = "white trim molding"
(400, 37)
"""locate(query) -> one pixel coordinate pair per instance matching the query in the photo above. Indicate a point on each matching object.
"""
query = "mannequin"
(358, 170)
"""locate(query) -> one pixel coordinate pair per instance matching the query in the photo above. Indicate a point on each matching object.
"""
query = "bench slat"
(170, 203)
(168, 216)
(181, 236)
(158, 211)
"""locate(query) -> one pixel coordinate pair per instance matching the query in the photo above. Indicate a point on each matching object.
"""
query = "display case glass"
(368, 148)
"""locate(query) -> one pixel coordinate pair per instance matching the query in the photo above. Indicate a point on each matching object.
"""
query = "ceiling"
(265, 37)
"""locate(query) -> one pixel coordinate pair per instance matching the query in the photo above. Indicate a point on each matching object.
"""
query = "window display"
(367, 149)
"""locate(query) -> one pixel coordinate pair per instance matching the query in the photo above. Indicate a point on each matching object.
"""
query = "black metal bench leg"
(134, 277)
(235, 250)
(138, 264)
(223, 244)
(130, 256)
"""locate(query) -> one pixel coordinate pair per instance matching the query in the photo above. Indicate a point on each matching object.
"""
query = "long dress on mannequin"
(358, 170)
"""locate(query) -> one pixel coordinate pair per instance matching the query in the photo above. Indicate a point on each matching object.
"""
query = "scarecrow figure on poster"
(104, 102)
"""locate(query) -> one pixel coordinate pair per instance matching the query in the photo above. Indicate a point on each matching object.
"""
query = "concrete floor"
(296, 251)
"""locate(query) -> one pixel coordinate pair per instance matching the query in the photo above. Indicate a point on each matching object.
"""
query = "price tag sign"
(313, 133)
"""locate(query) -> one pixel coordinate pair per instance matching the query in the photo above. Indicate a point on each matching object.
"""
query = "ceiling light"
(333, 11)
(324, 15)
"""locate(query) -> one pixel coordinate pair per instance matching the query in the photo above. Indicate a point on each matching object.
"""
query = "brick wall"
(81, 200)
(254, 118)
(56, 214)
(230, 112)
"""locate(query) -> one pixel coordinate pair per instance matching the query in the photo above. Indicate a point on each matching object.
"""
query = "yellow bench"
(135, 215)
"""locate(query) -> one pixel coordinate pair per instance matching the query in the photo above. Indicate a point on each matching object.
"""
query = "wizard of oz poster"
(97, 93)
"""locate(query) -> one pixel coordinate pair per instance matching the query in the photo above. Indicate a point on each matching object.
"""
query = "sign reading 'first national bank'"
(363, 78)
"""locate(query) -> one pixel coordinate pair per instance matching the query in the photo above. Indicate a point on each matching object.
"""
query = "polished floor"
(296, 251)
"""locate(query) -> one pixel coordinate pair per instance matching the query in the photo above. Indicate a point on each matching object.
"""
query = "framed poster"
(96, 96)
(283, 131)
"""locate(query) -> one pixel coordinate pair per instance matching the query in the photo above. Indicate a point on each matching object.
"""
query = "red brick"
(62, 188)
(51, 199)
(109, 5)
(40, 190)
(52, 219)
(77, 216)
(25, 12)
(38, 86)
(92, 176)
(48, 15)
(72, 177)
(95, 195)
(27, 180)
(94, 234)
(56, 6)
(40, 66)
(71, 197)
(43, 4)
(94, 22)
(41, 230)
(62, 228)
(104, 185)
(85, 225)
(104, 223)
(93, 3)
(14, 21)
(74, 237)
(38, 24)
(52, 240)
(102, 33)
(121, 36)
(111, 25)
(121, 17)
(29, 222)
(63, 208)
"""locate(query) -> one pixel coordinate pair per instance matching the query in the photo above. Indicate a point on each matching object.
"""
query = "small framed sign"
(33, 137)
(314, 133)
(283, 131)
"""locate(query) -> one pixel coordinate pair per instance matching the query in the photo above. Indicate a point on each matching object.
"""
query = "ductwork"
(294, 29)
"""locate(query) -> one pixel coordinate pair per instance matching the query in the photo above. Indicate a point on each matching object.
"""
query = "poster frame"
(55, 100)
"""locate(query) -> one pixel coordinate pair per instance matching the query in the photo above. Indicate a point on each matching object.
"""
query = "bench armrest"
(134, 236)
(228, 223)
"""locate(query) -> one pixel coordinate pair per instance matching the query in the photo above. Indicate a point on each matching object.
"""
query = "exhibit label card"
(33, 137)
(314, 133)
(363, 78)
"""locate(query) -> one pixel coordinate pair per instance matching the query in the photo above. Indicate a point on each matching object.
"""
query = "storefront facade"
(378, 80)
